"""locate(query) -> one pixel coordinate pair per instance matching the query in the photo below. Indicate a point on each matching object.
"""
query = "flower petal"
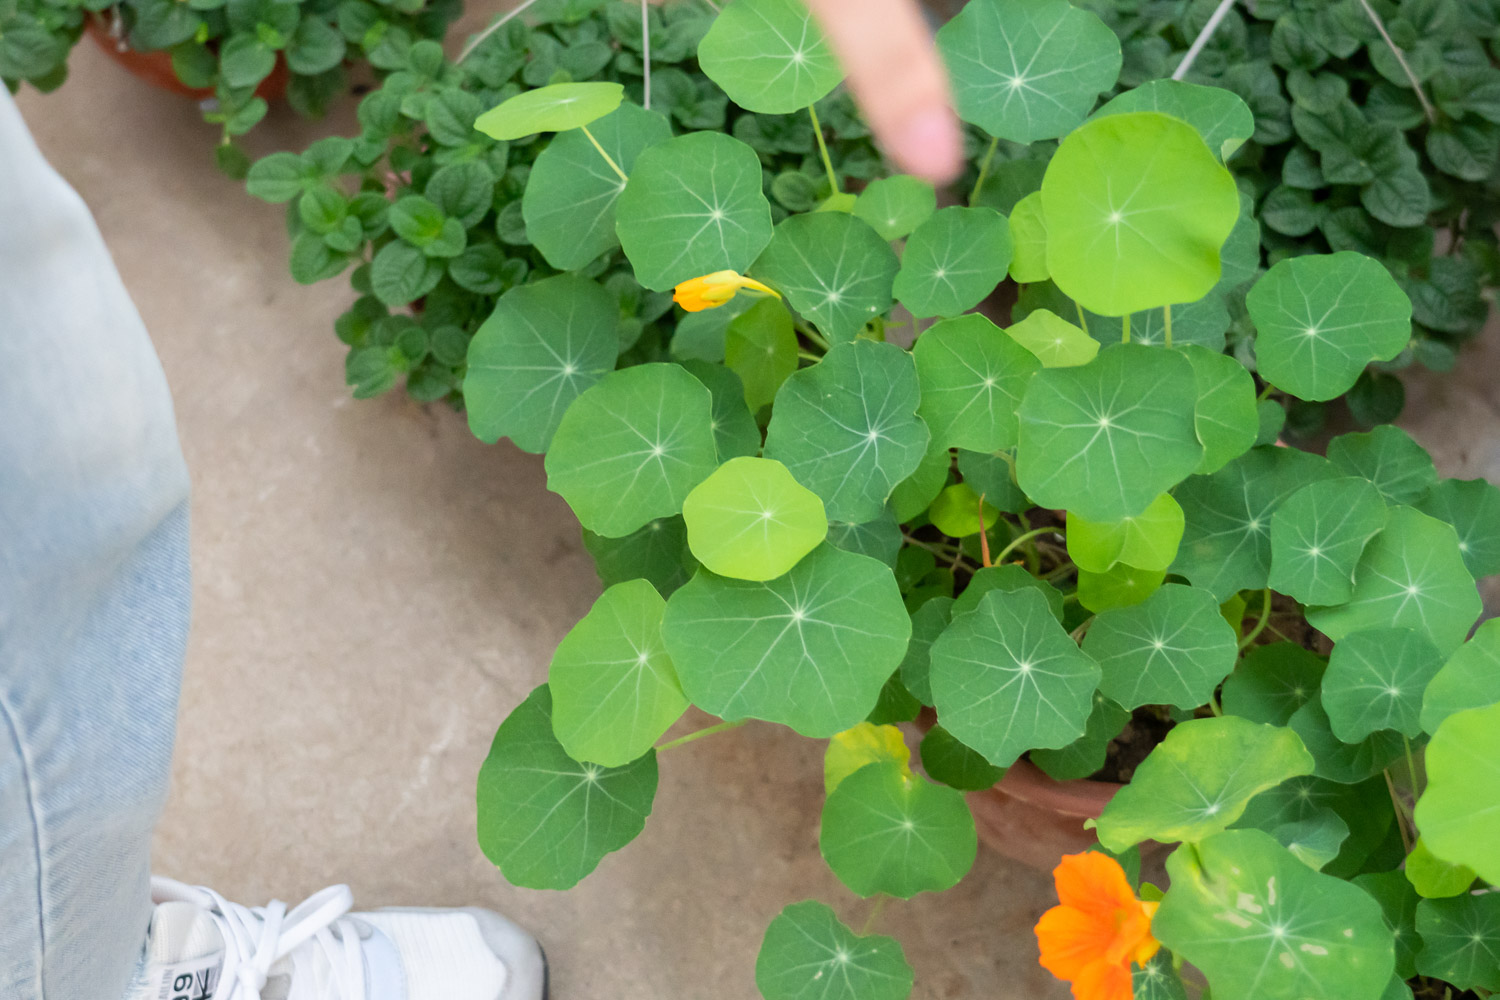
(1104, 981)
(1071, 940)
(1095, 883)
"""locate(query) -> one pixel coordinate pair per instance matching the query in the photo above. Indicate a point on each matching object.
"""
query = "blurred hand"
(897, 79)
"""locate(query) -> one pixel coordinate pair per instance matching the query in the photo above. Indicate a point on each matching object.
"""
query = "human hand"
(898, 81)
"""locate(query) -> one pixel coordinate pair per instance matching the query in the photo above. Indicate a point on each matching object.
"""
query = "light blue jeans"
(93, 593)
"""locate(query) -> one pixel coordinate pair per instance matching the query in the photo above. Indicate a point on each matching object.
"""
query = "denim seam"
(9, 717)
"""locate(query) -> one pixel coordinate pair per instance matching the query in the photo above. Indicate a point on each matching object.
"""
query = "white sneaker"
(203, 947)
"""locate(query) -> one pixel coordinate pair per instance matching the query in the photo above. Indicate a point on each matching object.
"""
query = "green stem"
(1125, 329)
(809, 356)
(880, 900)
(698, 735)
(812, 335)
(607, 158)
(1166, 314)
(984, 172)
(487, 32)
(1081, 321)
(833, 180)
(1059, 572)
(1265, 617)
(1265, 393)
(936, 548)
(1017, 542)
(1411, 764)
(1213, 704)
(1401, 816)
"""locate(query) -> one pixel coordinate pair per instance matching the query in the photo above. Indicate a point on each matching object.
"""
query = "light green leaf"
(656, 552)
(858, 746)
(1198, 780)
(614, 691)
(545, 343)
(886, 830)
(1171, 649)
(959, 512)
(751, 520)
(807, 954)
(953, 260)
(1433, 878)
(1459, 813)
(1472, 506)
(1375, 681)
(547, 820)
(1461, 941)
(1220, 116)
(693, 206)
(972, 378)
(1411, 575)
(556, 108)
(1272, 682)
(947, 760)
(1137, 209)
(1121, 587)
(1007, 678)
(847, 427)
(1226, 544)
(894, 206)
(1321, 318)
(1470, 678)
(810, 649)
(760, 346)
(1227, 420)
(1055, 342)
(769, 56)
(833, 268)
(1394, 464)
(1147, 541)
(1025, 70)
(1028, 240)
(1106, 438)
(1260, 923)
(1318, 535)
(632, 447)
(569, 204)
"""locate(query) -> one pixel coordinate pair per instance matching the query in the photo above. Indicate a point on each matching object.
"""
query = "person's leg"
(93, 593)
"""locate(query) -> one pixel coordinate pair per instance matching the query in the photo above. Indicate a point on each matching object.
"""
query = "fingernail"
(930, 146)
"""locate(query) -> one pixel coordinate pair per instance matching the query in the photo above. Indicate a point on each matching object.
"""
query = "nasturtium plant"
(751, 520)
(952, 260)
(808, 954)
(834, 270)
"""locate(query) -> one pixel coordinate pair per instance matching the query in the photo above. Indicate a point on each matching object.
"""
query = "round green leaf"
(1394, 464)
(735, 431)
(632, 447)
(1220, 116)
(1028, 239)
(751, 520)
(545, 343)
(693, 206)
(760, 346)
(1461, 941)
(1226, 543)
(614, 691)
(1157, 980)
(1087, 754)
(1398, 902)
(547, 820)
(556, 108)
(953, 260)
(1433, 878)
(848, 429)
(1318, 535)
(1375, 681)
(810, 649)
(1472, 506)
(1106, 438)
(1332, 757)
(1008, 578)
(1147, 541)
(1055, 342)
(886, 830)
(657, 552)
(916, 492)
(769, 56)
(972, 377)
(807, 954)
(1305, 814)
(894, 206)
(947, 760)
(1320, 319)
(1171, 649)
(1458, 812)
(1198, 780)
(1137, 209)
(1260, 923)
(1007, 678)
(833, 268)
(1272, 682)
(1469, 679)
(878, 539)
(569, 203)
(992, 474)
(1226, 418)
(1411, 575)
(959, 512)
(1315, 835)
(1121, 587)
(1025, 70)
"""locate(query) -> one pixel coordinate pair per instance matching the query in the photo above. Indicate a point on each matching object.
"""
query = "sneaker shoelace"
(311, 934)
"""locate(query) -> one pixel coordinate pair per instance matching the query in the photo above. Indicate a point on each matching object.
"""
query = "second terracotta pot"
(155, 67)
(1035, 819)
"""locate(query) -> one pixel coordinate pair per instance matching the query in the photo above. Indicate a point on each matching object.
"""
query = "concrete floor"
(375, 589)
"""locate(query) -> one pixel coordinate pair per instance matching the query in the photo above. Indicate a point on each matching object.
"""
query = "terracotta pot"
(155, 67)
(1034, 819)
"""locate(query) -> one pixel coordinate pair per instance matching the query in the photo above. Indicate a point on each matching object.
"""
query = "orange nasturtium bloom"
(1100, 928)
(713, 290)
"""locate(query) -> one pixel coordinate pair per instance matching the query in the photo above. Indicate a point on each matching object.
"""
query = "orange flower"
(1100, 928)
(713, 290)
